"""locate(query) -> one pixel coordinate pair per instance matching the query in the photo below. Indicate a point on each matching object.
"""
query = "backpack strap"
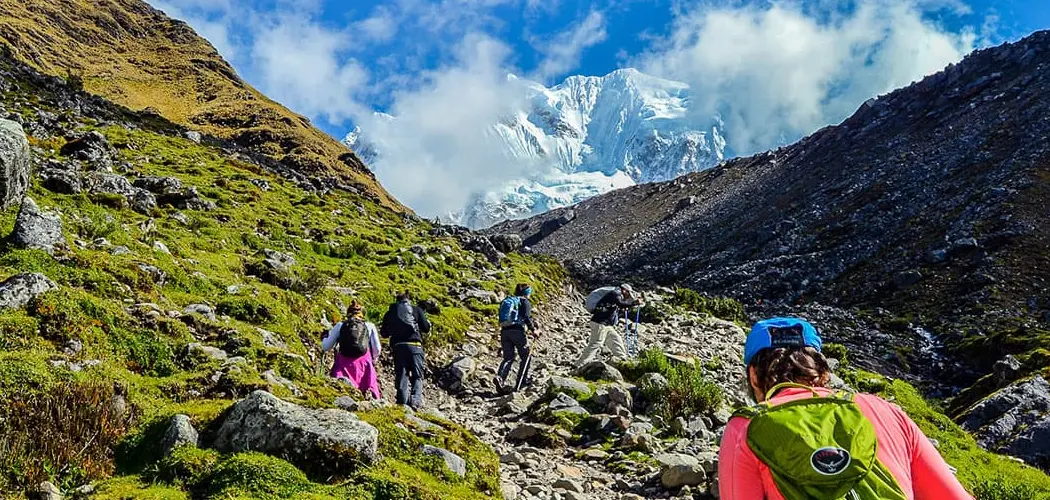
(784, 385)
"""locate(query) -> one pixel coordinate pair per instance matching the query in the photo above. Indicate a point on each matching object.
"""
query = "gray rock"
(1014, 420)
(568, 485)
(143, 201)
(454, 462)
(14, 163)
(160, 247)
(46, 491)
(651, 381)
(37, 229)
(105, 183)
(180, 433)
(679, 470)
(200, 352)
(563, 403)
(271, 339)
(202, 309)
(193, 136)
(456, 375)
(613, 396)
(567, 385)
(274, 379)
(1006, 370)
(506, 243)
(91, 148)
(278, 260)
(599, 370)
(327, 441)
(907, 279)
(18, 290)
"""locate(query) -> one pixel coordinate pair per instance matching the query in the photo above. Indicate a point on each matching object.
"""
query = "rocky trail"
(630, 454)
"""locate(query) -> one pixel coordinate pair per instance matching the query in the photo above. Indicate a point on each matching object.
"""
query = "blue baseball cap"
(780, 332)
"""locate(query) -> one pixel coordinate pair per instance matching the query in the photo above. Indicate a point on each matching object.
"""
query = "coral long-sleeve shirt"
(902, 448)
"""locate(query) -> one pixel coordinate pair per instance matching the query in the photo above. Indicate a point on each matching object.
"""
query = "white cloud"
(562, 53)
(306, 67)
(381, 26)
(777, 72)
(438, 151)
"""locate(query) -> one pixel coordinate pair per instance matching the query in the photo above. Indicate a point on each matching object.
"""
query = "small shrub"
(312, 281)
(187, 465)
(100, 225)
(1001, 488)
(64, 434)
(688, 392)
(719, 307)
(246, 309)
(836, 351)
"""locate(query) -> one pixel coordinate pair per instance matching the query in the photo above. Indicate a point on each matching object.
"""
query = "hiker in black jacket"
(404, 324)
(603, 324)
(514, 340)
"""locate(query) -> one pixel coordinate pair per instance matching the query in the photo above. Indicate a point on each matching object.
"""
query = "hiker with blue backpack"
(515, 316)
(805, 441)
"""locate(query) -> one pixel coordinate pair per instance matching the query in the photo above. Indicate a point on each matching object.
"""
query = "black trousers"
(409, 366)
(515, 342)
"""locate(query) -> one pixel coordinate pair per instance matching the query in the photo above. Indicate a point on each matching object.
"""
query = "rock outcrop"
(324, 441)
(37, 229)
(1015, 421)
(14, 163)
(18, 290)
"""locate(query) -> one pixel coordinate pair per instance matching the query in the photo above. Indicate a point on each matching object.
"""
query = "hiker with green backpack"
(805, 441)
(515, 315)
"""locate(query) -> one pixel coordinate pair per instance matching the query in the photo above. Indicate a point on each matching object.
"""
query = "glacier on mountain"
(583, 137)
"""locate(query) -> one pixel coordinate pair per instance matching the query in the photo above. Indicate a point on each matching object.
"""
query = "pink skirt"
(360, 372)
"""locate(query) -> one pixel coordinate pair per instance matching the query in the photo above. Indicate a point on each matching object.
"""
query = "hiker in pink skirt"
(358, 350)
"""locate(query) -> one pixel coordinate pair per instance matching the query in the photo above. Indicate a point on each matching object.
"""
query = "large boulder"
(14, 163)
(18, 290)
(456, 375)
(506, 243)
(1015, 421)
(326, 441)
(37, 229)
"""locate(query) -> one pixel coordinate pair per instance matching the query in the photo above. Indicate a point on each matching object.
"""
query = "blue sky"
(772, 70)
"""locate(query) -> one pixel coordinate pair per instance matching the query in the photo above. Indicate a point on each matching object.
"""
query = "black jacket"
(524, 316)
(609, 308)
(404, 322)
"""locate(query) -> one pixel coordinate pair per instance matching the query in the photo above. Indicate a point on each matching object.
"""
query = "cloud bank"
(773, 70)
(780, 71)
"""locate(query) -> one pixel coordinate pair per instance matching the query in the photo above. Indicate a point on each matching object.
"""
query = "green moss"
(256, 475)
(719, 307)
(836, 351)
(125, 487)
(188, 466)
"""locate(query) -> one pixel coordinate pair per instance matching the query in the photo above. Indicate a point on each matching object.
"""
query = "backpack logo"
(830, 460)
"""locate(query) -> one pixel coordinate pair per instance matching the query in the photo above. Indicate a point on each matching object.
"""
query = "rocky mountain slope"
(928, 204)
(583, 137)
(136, 56)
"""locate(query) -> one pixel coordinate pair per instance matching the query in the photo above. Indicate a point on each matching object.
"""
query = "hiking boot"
(498, 382)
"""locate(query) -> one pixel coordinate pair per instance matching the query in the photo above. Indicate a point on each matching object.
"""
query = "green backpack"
(819, 448)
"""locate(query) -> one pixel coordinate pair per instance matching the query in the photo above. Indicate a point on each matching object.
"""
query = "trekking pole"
(637, 319)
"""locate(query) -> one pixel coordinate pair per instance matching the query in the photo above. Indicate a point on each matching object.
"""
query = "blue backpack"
(508, 311)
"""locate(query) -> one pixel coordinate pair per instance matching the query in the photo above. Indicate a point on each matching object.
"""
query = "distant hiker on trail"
(804, 441)
(355, 360)
(515, 315)
(606, 305)
(404, 324)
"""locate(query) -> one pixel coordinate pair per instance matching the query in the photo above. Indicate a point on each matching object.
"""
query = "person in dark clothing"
(404, 324)
(513, 340)
(603, 324)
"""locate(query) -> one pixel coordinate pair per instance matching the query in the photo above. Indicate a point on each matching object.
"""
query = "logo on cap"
(786, 336)
(830, 461)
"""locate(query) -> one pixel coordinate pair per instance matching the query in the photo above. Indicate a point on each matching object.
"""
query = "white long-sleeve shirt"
(332, 339)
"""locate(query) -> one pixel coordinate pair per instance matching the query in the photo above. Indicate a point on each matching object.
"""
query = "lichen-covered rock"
(1015, 420)
(91, 148)
(37, 229)
(180, 433)
(18, 290)
(14, 163)
(454, 462)
(327, 441)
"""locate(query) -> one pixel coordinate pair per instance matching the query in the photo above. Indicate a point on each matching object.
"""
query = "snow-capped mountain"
(590, 135)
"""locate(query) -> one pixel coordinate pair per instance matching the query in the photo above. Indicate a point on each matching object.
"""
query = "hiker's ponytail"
(800, 365)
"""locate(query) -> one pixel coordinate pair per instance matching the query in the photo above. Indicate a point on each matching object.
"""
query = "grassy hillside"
(98, 365)
(136, 56)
